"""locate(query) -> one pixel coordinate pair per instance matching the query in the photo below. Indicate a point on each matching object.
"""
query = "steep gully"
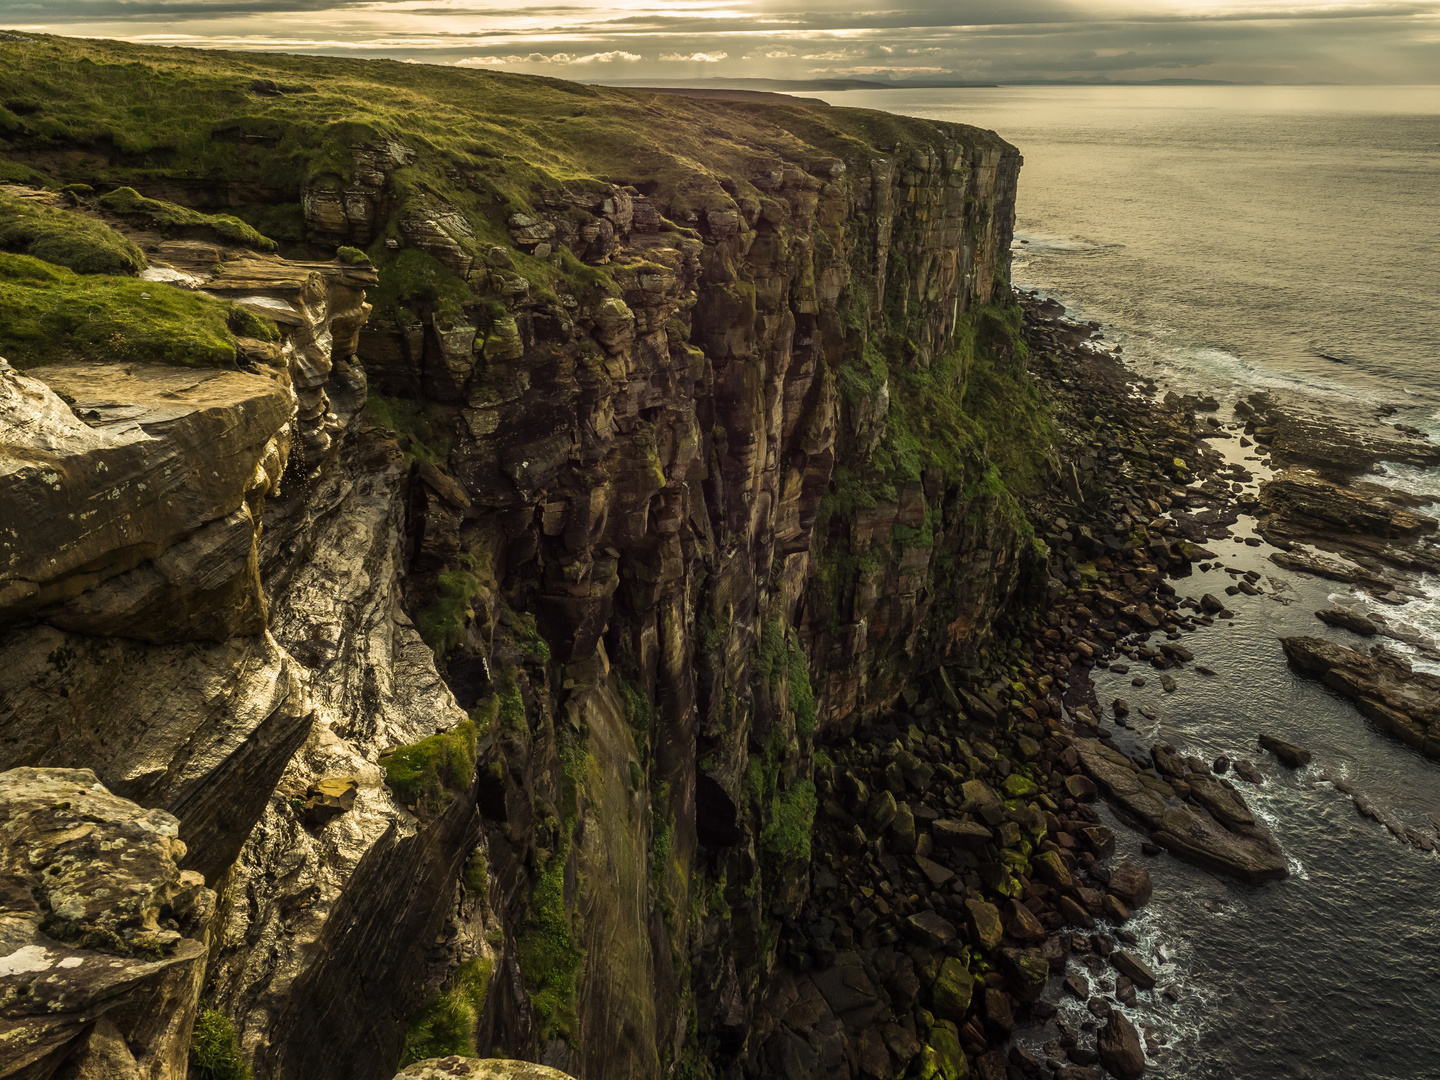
(655, 584)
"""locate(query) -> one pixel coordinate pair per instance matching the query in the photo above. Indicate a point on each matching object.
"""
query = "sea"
(1232, 239)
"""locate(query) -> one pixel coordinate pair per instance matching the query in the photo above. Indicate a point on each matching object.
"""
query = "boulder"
(1346, 619)
(1026, 971)
(986, 930)
(963, 834)
(930, 929)
(1131, 883)
(1288, 752)
(1133, 968)
(1119, 1047)
(952, 991)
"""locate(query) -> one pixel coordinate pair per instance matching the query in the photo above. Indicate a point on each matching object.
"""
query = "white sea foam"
(1411, 479)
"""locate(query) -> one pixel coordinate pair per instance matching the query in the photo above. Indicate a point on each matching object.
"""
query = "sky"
(1271, 41)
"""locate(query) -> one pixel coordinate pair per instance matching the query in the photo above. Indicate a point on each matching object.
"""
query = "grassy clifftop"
(136, 113)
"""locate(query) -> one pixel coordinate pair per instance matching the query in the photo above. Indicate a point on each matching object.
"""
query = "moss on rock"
(428, 774)
(170, 218)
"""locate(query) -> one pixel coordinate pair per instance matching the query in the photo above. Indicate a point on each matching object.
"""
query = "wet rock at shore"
(1292, 755)
(1346, 619)
(1387, 691)
(1119, 1048)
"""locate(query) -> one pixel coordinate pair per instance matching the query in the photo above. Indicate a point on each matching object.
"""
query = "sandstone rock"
(964, 834)
(952, 991)
(986, 930)
(1353, 621)
(902, 831)
(1133, 968)
(1026, 971)
(930, 929)
(153, 501)
(1131, 883)
(1398, 700)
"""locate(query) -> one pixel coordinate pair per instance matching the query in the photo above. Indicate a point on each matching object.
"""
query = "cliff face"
(670, 469)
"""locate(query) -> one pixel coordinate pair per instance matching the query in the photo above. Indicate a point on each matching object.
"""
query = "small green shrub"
(446, 1024)
(167, 217)
(214, 1049)
(428, 774)
(351, 256)
(65, 238)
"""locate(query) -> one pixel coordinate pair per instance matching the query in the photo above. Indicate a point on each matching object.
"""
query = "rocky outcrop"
(102, 937)
(1398, 700)
(138, 489)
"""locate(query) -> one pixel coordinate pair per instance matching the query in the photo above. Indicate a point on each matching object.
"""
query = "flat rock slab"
(1232, 847)
(1398, 700)
(147, 455)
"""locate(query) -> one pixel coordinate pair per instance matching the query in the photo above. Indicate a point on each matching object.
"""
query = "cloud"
(991, 40)
(614, 56)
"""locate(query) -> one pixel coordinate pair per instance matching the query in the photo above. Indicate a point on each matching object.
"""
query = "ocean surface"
(1233, 239)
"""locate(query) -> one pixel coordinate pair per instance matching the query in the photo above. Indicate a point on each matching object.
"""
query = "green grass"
(192, 114)
(176, 220)
(446, 1024)
(65, 238)
(428, 774)
(214, 1049)
(50, 314)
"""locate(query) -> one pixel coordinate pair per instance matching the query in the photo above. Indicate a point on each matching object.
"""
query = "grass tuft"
(446, 1024)
(214, 1049)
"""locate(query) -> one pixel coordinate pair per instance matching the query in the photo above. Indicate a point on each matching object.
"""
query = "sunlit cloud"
(611, 57)
(697, 57)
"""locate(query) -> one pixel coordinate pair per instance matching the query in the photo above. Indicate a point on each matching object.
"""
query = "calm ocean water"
(1236, 238)
(1280, 236)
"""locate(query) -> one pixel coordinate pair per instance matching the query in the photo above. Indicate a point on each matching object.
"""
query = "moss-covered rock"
(177, 220)
(427, 775)
(953, 989)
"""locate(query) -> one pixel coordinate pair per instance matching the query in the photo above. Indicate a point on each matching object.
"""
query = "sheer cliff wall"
(681, 437)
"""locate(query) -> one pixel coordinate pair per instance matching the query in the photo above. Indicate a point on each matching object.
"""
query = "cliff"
(581, 460)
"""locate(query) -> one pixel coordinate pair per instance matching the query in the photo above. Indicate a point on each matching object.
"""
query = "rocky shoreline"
(963, 826)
